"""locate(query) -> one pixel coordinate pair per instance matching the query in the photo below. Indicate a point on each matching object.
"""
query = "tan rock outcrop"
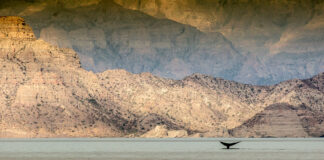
(177, 134)
(15, 28)
(163, 132)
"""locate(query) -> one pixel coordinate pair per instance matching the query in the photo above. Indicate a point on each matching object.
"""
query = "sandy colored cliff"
(46, 93)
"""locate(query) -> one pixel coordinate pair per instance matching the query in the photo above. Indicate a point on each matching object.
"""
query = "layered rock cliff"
(46, 93)
(108, 36)
(15, 28)
(255, 42)
(279, 120)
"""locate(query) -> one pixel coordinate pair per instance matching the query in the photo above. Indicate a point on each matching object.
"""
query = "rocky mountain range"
(280, 39)
(46, 93)
(254, 42)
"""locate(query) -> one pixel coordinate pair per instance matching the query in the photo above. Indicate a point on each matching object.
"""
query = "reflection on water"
(160, 149)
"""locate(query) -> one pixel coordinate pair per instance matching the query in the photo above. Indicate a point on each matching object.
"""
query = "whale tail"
(228, 145)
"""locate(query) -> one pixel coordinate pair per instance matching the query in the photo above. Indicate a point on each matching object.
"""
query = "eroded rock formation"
(255, 42)
(46, 93)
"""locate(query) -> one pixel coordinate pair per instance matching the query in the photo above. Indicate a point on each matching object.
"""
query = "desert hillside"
(46, 93)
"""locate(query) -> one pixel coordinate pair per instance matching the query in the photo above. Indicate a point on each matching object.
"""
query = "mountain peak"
(316, 82)
(19, 44)
(14, 27)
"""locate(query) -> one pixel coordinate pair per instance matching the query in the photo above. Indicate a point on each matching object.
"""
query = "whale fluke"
(228, 145)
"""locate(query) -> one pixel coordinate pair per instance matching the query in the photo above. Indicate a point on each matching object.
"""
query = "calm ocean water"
(161, 149)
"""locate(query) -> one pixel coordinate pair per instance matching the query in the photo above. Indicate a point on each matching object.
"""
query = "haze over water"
(158, 149)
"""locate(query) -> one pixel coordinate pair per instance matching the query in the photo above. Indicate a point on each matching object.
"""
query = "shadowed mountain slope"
(255, 42)
(107, 36)
(281, 39)
(46, 93)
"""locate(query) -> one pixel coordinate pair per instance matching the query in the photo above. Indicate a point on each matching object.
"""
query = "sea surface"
(161, 149)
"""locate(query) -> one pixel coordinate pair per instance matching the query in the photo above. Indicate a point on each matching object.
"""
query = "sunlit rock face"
(44, 90)
(15, 28)
(284, 120)
(256, 42)
(46, 93)
(107, 36)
